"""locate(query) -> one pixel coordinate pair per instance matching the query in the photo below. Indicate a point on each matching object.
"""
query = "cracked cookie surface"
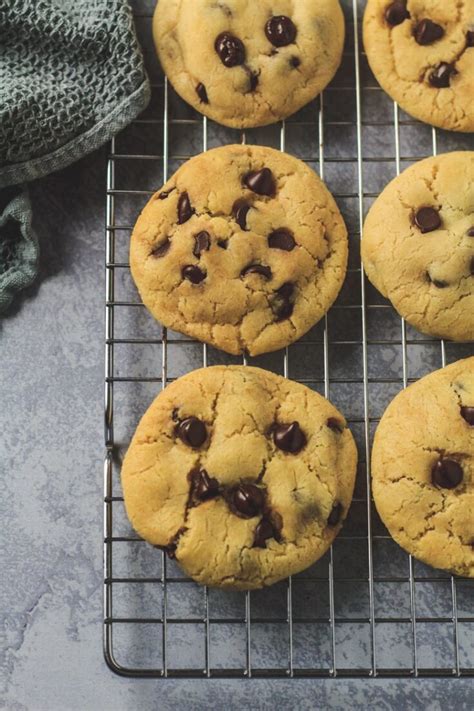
(243, 476)
(245, 63)
(244, 248)
(418, 245)
(423, 468)
(422, 54)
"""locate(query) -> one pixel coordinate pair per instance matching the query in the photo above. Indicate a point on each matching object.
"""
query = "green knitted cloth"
(71, 77)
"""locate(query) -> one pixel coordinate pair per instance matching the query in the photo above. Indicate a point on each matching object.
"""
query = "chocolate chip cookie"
(418, 245)
(422, 53)
(247, 63)
(244, 248)
(241, 475)
(423, 468)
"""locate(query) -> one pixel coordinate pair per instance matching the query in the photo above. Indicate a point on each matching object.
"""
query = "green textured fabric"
(71, 77)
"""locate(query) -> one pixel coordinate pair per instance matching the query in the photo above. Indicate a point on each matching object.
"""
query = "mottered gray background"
(52, 447)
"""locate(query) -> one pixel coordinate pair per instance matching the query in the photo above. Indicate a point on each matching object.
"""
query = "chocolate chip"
(470, 38)
(334, 424)
(230, 49)
(202, 93)
(280, 31)
(202, 485)
(193, 274)
(240, 211)
(282, 239)
(222, 243)
(438, 283)
(202, 243)
(192, 432)
(165, 194)
(257, 269)
(470, 232)
(261, 182)
(289, 438)
(248, 500)
(396, 13)
(468, 414)
(161, 249)
(283, 307)
(173, 544)
(427, 32)
(336, 514)
(295, 62)
(185, 211)
(263, 532)
(427, 219)
(447, 474)
(253, 81)
(440, 77)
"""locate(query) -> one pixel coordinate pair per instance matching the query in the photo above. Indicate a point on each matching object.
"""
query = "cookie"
(241, 475)
(423, 468)
(244, 248)
(418, 245)
(422, 54)
(245, 63)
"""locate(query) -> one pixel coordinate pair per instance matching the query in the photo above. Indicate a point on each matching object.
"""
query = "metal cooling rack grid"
(365, 609)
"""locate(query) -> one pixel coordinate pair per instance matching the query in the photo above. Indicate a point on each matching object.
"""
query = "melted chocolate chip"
(185, 211)
(170, 549)
(440, 77)
(202, 93)
(240, 211)
(161, 249)
(261, 182)
(283, 307)
(396, 13)
(470, 38)
(447, 474)
(280, 31)
(470, 232)
(202, 243)
(427, 32)
(248, 500)
(334, 424)
(230, 49)
(438, 283)
(263, 532)
(260, 269)
(193, 274)
(192, 432)
(427, 219)
(468, 414)
(282, 239)
(222, 243)
(165, 194)
(202, 485)
(336, 514)
(289, 438)
(295, 62)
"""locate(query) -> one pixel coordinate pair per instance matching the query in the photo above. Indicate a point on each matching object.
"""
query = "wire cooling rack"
(366, 609)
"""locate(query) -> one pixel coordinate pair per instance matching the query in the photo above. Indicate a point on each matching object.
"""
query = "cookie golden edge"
(163, 17)
(431, 115)
(160, 532)
(384, 452)
(457, 330)
(282, 334)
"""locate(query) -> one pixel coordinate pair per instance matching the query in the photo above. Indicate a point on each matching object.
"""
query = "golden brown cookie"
(423, 468)
(244, 248)
(418, 245)
(422, 54)
(241, 475)
(246, 63)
